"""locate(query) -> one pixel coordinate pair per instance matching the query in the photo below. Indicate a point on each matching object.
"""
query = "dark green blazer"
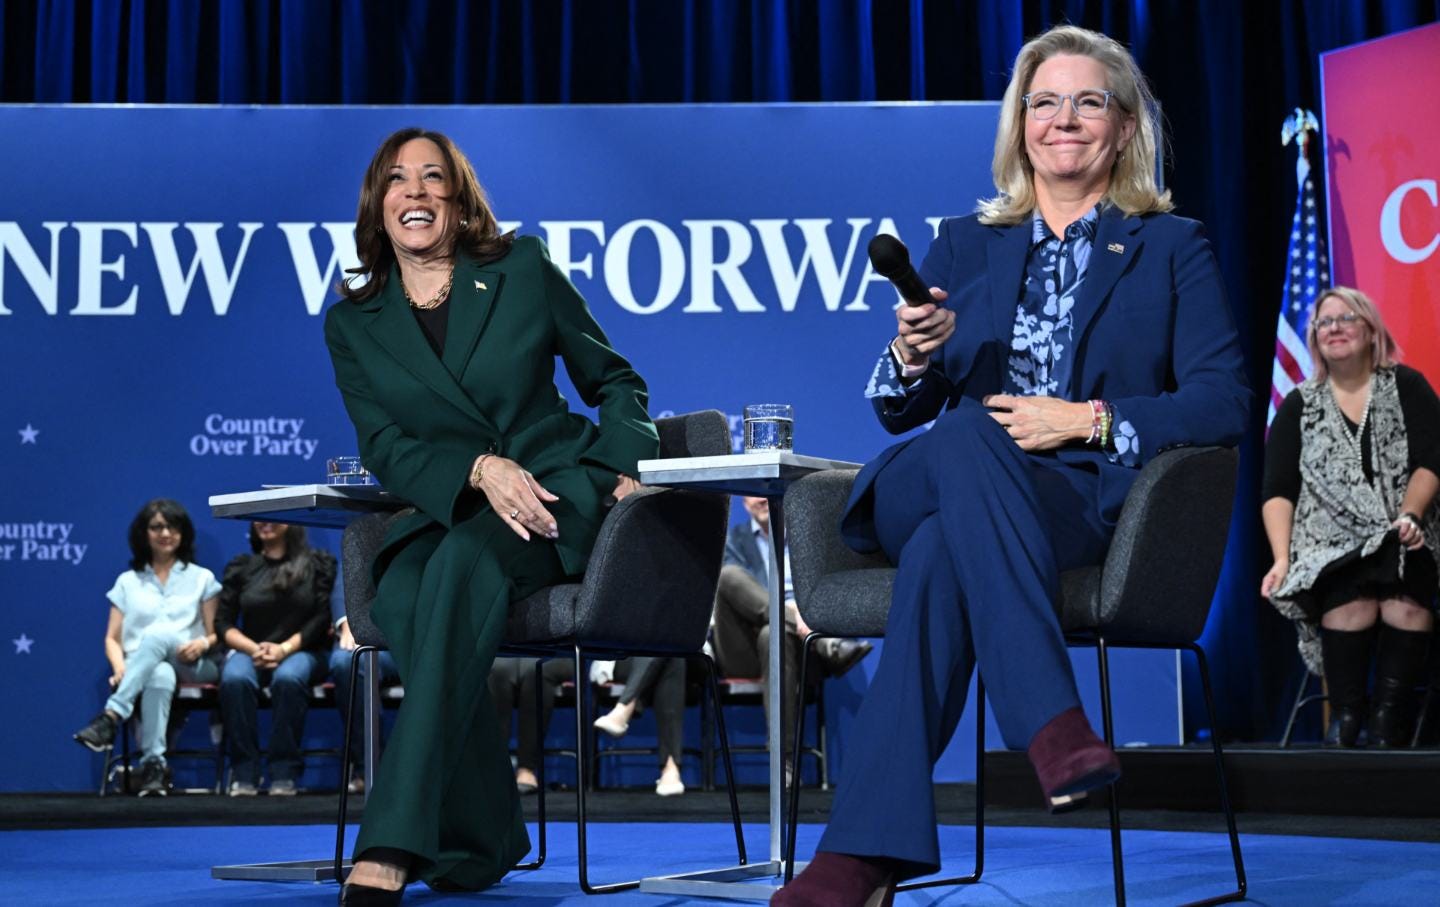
(421, 420)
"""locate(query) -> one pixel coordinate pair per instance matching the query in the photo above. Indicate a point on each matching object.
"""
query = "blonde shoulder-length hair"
(1132, 178)
(1384, 351)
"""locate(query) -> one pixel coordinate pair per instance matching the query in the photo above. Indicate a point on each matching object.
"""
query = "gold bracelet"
(286, 649)
(477, 472)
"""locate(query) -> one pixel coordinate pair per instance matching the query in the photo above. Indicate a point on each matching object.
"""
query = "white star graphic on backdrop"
(28, 433)
(23, 644)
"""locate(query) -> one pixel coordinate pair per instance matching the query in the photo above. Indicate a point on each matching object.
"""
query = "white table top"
(328, 506)
(760, 473)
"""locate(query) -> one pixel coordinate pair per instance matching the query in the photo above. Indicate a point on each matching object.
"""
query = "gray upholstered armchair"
(1153, 591)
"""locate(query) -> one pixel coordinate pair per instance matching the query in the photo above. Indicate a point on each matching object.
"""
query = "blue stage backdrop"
(163, 272)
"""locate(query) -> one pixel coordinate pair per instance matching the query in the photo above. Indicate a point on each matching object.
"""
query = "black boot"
(1347, 666)
(1399, 669)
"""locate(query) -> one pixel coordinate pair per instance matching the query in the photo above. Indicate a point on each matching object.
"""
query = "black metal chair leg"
(345, 761)
(540, 693)
(1117, 857)
(792, 812)
(585, 743)
(973, 877)
(1240, 881)
(714, 688)
(707, 741)
(1301, 700)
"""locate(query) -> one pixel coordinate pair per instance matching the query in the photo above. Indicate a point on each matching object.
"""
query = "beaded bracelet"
(1101, 419)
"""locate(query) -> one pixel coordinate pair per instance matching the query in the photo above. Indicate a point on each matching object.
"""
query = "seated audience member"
(340, 658)
(161, 631)
(1352, 464)
(512, 686)
(274, 615)
(660, 682)
(742, 618)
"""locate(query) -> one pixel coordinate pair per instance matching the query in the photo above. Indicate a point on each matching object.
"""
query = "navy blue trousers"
(979, 531)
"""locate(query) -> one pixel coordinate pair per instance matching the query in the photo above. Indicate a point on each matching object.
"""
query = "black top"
(249, 599)
(1418, 406)
(433, 323)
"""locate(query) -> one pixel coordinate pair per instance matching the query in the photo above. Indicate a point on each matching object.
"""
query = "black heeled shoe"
(353, 895)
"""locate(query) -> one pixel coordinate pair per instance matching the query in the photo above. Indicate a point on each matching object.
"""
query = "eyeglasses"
(1341, 322)
(1092, 103)
(162, 528)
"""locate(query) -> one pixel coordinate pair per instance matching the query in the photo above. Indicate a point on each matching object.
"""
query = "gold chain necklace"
(434, 301)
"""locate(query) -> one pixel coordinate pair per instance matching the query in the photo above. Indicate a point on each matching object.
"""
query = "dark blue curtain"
(1226, 73)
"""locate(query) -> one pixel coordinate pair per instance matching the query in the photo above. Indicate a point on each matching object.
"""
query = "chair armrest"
(1169, 545)
(705, 433)
(813, 507)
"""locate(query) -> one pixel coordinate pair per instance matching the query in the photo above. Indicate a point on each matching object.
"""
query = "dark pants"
(340, 660)
(979, 531)
(446, 793)
(660, 684)
(742, 642)
(512, 687)
(290, 684)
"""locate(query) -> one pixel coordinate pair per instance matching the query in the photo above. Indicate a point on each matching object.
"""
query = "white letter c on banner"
(1390, 235)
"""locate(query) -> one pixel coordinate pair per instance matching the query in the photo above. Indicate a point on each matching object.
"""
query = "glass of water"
(347, 471)
(769, 426)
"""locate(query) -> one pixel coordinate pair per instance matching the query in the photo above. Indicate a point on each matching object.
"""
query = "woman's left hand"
(623, 486)
(1041, 423)
(517, 497)
(1411, 535)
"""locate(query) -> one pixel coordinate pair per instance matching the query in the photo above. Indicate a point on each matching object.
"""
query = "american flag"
(1307, 270)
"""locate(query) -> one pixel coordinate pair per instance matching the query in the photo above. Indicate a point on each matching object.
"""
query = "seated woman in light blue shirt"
(162, 615)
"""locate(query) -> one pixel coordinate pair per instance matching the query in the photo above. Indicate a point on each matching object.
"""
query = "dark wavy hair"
(296, 566)
(175, 515)
(479, 236)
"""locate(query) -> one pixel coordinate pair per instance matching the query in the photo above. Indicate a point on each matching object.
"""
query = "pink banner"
(1382, 144)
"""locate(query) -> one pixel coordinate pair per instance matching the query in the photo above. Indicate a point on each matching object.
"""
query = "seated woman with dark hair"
(274, 614)
(161, 614)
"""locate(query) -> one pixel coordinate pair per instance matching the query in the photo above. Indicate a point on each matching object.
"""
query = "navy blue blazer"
(1154, 336)
(743, 550)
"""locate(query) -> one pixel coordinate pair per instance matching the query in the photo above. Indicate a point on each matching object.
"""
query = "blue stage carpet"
(1024, 866)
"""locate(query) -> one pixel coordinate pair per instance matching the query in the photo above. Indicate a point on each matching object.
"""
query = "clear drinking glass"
(347, 471)
(769, 426)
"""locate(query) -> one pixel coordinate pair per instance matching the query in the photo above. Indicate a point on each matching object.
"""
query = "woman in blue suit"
(1077, 329)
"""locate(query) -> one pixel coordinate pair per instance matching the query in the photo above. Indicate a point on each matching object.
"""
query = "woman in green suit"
(444, 351)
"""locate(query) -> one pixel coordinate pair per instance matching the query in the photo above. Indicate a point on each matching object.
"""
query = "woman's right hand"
(516, 496)
(118, 676)
(190, 652)
(922, 329)
(1274, 577)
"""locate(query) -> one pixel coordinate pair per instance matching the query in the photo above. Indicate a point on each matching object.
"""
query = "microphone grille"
(888, 255)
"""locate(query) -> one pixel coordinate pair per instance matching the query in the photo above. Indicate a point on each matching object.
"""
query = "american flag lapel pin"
(480, 285)
(1116, 247)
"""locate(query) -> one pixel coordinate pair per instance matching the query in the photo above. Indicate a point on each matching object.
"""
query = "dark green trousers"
(445, 792)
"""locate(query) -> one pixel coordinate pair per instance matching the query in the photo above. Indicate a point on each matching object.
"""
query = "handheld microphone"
(890, 259)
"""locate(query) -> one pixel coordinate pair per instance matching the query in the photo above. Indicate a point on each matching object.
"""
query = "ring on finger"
(514, 514)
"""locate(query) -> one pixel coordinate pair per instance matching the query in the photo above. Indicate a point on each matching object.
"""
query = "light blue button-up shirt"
(172, 607)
